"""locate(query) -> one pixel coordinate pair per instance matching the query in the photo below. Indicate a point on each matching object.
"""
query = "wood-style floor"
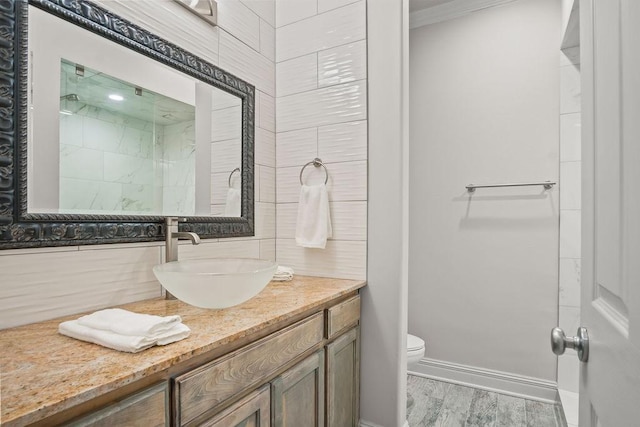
(441, 404)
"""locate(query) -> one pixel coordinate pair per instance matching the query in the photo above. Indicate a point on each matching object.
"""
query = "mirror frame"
(19, 228)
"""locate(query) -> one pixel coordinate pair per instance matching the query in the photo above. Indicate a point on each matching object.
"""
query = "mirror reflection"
(120, 140)
(122, 147)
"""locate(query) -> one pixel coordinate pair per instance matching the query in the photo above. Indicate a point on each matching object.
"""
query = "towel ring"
(317, 163)
(231, 174)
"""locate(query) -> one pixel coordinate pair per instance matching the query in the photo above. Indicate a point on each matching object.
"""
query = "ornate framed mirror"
(106, 129)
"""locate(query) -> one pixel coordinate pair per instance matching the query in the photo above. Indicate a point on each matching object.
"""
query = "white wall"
(483, 280)
(321, 111)
(40, 284)
(383, 379)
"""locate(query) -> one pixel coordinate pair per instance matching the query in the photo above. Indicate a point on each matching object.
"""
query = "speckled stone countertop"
(43, 372)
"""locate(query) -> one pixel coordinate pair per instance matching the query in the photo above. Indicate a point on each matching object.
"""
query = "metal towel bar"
(546, 184)
(317, 163)
(231, 174)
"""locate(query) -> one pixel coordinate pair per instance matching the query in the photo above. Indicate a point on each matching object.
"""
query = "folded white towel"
(313, 227)
(283, 274)
(127, 343)
(125, 322)
(233, 204)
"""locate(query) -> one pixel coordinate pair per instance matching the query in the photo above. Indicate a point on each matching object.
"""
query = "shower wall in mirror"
(122, 147)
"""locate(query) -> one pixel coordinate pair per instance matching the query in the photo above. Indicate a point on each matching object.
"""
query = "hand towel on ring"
(313, 226)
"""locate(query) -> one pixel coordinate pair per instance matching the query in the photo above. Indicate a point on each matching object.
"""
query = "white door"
(610, 58)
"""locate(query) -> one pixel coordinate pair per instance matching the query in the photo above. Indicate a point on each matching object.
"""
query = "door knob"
(560, 342)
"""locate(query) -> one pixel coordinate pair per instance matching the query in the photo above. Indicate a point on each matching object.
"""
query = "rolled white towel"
(127, 343)
(125, 322)
(283, 274)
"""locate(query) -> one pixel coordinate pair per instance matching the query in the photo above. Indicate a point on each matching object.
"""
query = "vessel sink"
(215, 283)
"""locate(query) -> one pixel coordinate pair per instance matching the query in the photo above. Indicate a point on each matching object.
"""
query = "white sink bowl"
(215, 283)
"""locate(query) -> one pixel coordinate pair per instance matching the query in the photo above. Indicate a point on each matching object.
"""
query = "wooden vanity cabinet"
(303, 375)
(201, 391)
(282, 386)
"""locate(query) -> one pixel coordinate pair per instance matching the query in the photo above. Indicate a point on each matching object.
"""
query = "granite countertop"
(43, 372)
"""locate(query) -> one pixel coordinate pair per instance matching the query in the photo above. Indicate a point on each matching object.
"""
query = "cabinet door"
(298, 394)
(252, 411)
(343, 380)
(147, 408)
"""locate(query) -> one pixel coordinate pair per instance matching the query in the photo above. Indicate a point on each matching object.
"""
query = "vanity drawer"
(206, 387)
(147, 408)
(343, 316)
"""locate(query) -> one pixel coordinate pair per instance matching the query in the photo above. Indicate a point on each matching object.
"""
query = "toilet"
(415, 349)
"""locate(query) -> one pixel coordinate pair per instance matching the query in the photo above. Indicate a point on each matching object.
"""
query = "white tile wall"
(342, 64)
(268, 249)
(297, 75)
(267, 184)
(341, 258)
(571, 188)
(321, 112)
(237, 19)
(570, 89)
(570, 204)
(246, 63)
(265, 153)
(343, 142)
(226, 123)
(323, 31)
(334, 104)
(221, 249)
(40, 284)
(570, 233)
(266, 9)
(267, 118)
(289, 11)
(569, 282)
(265, 225)
(297, 147)
(267, 40)
(225, 156)
(347, 181)
(570, 131)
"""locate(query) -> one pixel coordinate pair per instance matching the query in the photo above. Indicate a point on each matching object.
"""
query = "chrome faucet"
(172, 235)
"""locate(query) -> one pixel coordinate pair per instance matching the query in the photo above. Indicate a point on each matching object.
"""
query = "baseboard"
(486, 379)
(368, 424)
